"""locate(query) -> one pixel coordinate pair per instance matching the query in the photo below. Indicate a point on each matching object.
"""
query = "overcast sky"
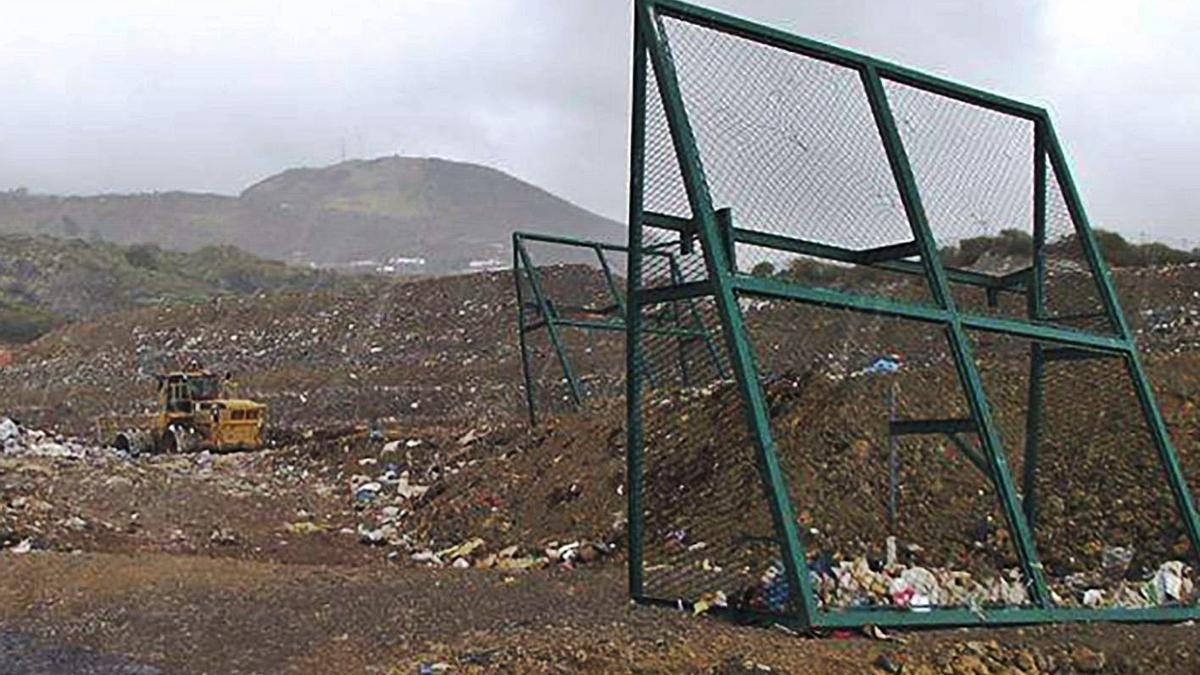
(124, 95)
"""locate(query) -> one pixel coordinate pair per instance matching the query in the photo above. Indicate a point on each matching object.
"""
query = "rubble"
(18, 441)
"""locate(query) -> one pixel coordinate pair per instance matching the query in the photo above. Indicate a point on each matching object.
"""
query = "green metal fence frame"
(549, 318)
(725, 285)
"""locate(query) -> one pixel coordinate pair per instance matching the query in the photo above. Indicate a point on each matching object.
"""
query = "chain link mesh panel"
(803, 154)
(790, 144)
(1105, 521)
(571, 296)
(839, 395)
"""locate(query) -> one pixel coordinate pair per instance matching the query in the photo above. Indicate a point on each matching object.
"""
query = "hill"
(46, 281)
(398, 209)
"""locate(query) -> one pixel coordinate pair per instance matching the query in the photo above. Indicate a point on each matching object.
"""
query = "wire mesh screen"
(974, 168)
(1072, 293)
(901, 430)
(708, 534)
(1105, 522)
(569, 356)
(881, 505)
(789, 142)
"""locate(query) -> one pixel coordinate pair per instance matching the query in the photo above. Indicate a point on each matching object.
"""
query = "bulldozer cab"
(179, 392)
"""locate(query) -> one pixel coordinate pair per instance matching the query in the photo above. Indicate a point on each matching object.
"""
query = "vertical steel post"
(964, 361)
(741, 358)
(516, 240)
(633, 316)
(893, 504)
(725, 228)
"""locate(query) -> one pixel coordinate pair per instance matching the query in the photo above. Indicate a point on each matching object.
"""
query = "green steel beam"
(741, 358)
(882, 254)
(964, 361)
(827, 297)
(898, 617)
(576, 243)
(521, 330)
(971, 455)
(728, 240)
(698, 320)
(595, 324)
(633, 317)
(1046, 333)
(1072, 354)
(688, 290)
(610, 281)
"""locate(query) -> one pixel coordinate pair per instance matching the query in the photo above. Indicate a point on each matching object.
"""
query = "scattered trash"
(884, 365)
(367, 492)
(461, 550)
(409, 490)
(876, 633)
(1170, 585)
(1115, 561)
(709, 600)
(18, 441)
(304, 527)
(223, 537)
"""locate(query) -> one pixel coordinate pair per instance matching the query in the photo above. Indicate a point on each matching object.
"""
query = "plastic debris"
(367, 491)
(409, 490)
(853, 583)
(1170, 583)
(709, 600)
(461, 550)
(884, 365)
(1115, 560)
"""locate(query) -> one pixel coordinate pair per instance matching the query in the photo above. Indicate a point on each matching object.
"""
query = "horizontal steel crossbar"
(884, 257)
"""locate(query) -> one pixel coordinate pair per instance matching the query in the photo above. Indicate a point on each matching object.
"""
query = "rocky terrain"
(407, 214)
(405, 516)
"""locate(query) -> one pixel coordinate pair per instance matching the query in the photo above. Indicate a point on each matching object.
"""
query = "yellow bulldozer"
(193, 413)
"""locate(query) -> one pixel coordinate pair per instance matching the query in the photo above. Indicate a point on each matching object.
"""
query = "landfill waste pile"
(858, 583)
(403, 494)
(828, 436)
(430, 349)
(17, 441)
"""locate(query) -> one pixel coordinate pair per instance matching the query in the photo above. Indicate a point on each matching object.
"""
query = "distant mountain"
(46, 281)
(449, 214)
